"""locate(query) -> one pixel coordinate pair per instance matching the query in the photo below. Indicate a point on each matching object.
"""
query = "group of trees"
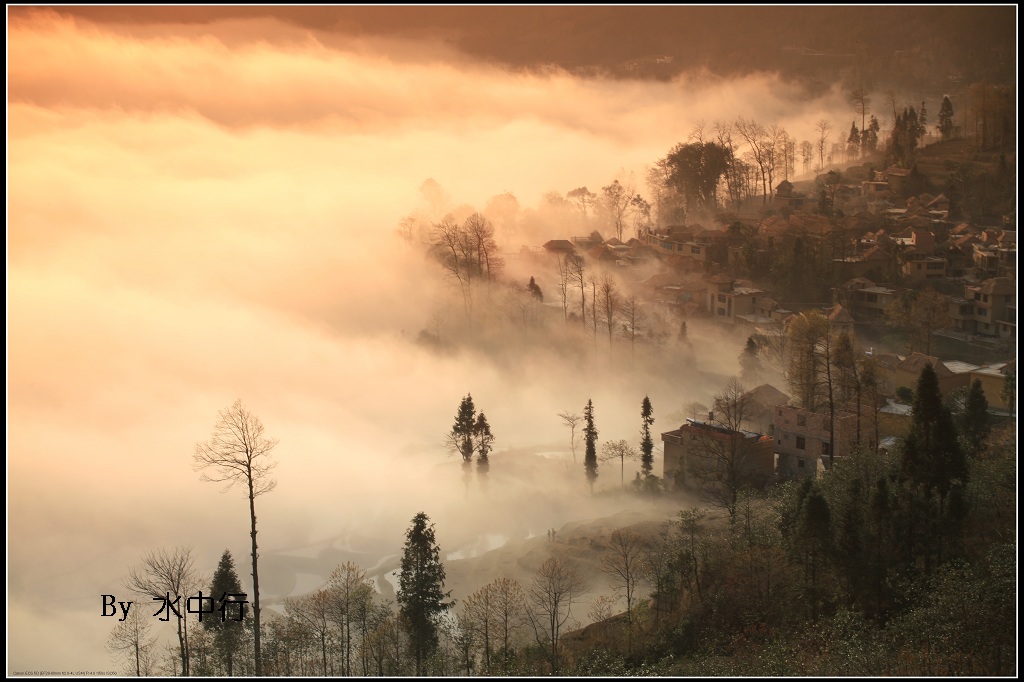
(614, 450)
(893, 550)
(471, 435)
(468, 252)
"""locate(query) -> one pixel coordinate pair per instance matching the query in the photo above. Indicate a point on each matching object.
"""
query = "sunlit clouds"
(203, 213)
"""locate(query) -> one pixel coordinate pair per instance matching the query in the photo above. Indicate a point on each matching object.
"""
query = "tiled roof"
(915, 362)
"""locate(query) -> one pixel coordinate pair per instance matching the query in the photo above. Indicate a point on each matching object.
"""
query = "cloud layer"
(199, 213)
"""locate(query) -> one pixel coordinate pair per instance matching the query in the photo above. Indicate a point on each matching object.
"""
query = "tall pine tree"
(646, 442)
(421, 595)
(228, 631)
(590, 437)
(974, 426)
(484, 443)
(935, 467)
(464, 429)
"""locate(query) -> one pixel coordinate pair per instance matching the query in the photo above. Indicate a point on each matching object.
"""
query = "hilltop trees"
(468, 252)
(694, 171)
(947, 124)
(238, 452)
(590, 438)
(421, 595)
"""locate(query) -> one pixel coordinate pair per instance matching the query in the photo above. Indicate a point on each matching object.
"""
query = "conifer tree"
(974, 426)
(590, 437)
(421, 595)
(461, 437)
(484, 442)
(646, 442)
(932, 455)
(228, 631)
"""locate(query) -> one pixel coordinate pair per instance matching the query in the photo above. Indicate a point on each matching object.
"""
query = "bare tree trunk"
(255, 581)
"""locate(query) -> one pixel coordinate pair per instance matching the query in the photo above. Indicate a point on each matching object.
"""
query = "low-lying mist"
(197, 216)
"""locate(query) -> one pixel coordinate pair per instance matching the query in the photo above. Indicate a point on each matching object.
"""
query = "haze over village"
(521, 340)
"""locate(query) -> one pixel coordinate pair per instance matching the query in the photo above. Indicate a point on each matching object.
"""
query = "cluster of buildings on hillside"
(917, 247)
(792, 442)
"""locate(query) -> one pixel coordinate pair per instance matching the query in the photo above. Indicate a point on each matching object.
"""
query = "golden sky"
(203, 212)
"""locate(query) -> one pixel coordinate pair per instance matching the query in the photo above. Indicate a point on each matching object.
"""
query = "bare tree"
(571, 419)
(806, 154)
(551, 595)
(824, 128)
(617, 200)
(577, 275)
(608, 294)
(313, 611)
(454, 250)
(131, 639)
(583, 198)
(238, 452)
(351, 596)
(620, 450)
(759, 141)
(727, 455)
(633, 318)
(168, 576)
(861, 104)
(564, 281)
(624, 563)
(480, 233)
(494, 613)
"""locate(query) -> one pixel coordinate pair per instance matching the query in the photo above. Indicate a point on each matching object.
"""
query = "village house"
(802, 438)
(865, 301)
(698, 450)
(952, 374)
(840, 320)
(994, 301)
(787, 197)
(727, 302)
(919, 268)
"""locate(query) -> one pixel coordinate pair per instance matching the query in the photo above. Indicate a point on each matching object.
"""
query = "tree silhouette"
(646, 442)
(238, 452)
(421, 595)
(590, 437)
(228, 631)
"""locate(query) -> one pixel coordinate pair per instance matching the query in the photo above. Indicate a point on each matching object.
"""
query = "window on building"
(985, 298)
(871, 298)
(695, 249)
(721, 311)
(826, 448)
(801, 443)
(801, 464)
(801, 420)
(721, 298)
(982, 312)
